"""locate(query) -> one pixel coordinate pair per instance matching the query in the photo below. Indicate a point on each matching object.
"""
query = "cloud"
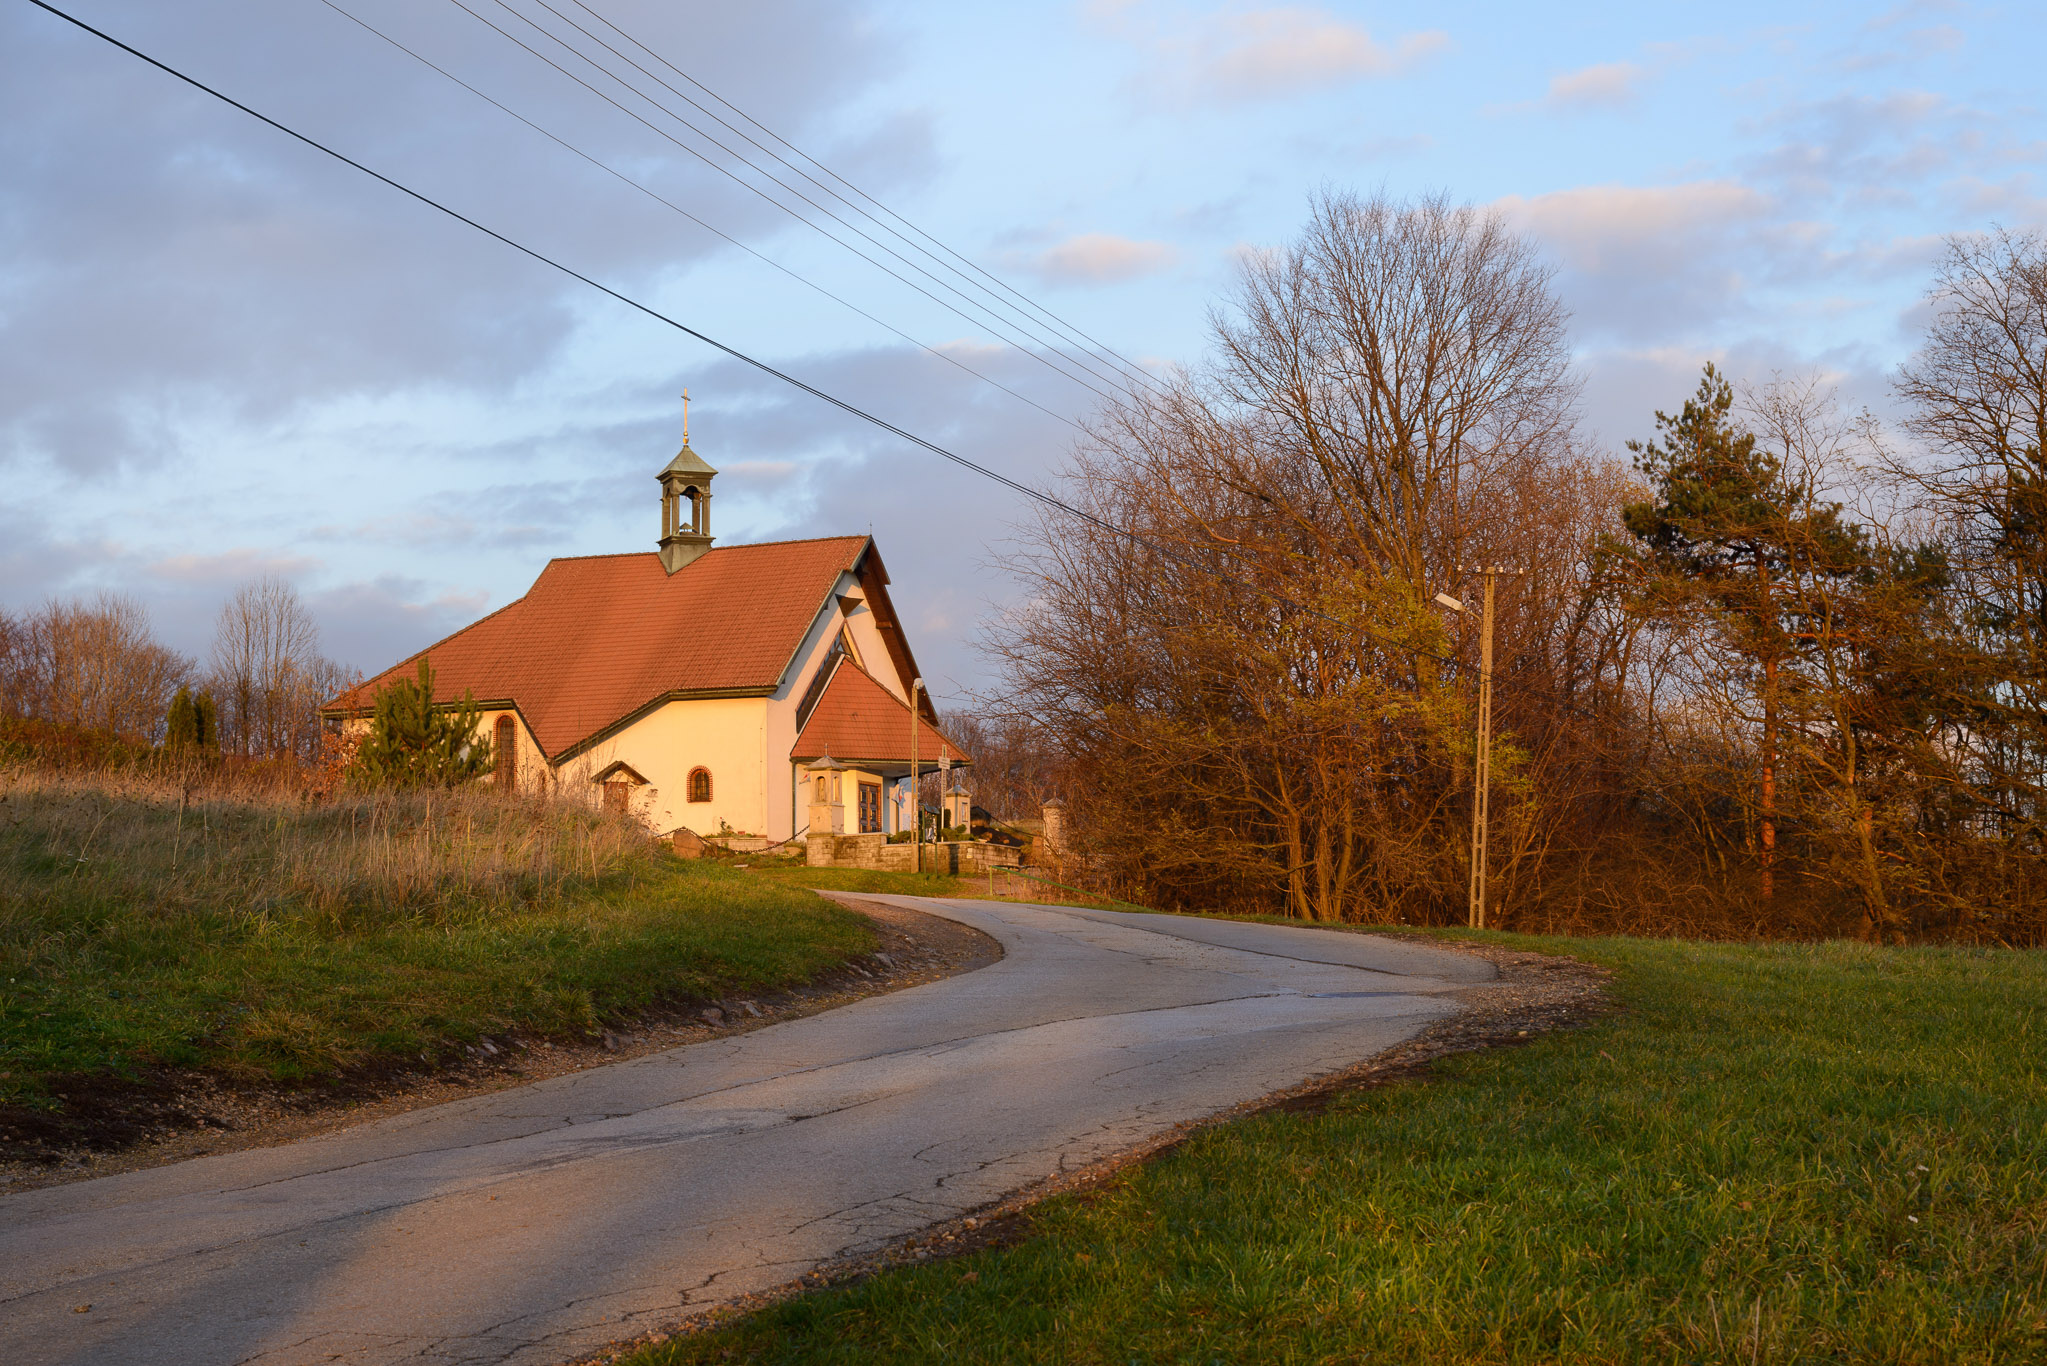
(934, 521)
(1097, 258)
(1593, 227)
(1640, 261)
(1258, 54)
(370, 624)
(1897, 38)
(1609, 85)
(1263, 53)
(1900, 149)
(166, 255)
(232, 566)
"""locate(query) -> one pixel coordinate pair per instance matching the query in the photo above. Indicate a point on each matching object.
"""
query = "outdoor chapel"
(748, 690)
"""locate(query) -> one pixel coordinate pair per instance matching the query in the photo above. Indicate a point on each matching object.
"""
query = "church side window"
(700, 784)
(504, 747)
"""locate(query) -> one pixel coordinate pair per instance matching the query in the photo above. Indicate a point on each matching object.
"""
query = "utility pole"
(916, 807)
(1482, 764)
(1482, 779)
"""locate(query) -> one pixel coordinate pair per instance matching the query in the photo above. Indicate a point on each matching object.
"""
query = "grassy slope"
(1810, 1153)
(272, 938)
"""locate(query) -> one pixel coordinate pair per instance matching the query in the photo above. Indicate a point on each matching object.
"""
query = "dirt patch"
(110, 1125)
(1535, 994)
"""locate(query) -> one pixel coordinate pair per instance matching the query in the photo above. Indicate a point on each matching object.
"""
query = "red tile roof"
(857, 718)
(598, 638)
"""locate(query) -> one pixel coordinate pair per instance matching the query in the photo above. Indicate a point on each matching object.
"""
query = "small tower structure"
(827, 796)
(685, 504)
(959, 804)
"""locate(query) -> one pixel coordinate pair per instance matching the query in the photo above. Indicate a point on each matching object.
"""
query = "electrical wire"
(845, 406)
(754, 189)
(1112, 376)
(658, 198)
(1126, 368)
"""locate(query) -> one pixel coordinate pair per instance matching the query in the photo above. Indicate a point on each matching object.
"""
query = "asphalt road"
(533, 1224)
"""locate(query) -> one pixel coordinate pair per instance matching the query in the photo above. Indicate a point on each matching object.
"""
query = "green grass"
(1033, 887)
(870, 880)
(1775, 1153)
(270, 937)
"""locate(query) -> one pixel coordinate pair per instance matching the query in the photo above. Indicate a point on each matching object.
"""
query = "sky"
(227, 355)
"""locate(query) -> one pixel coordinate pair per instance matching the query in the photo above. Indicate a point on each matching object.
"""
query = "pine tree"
(1735, 545)
(414, 743)
(181, 727)
(206, 723)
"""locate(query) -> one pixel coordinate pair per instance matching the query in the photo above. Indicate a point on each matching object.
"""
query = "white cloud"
(1269, 52)
(1651, 260)
(1590, 224)
(1097, 258)
(1254, 54)
(1608, 85)
(772, 471)
(232, 566)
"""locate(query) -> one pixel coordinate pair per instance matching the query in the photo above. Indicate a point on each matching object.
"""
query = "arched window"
(504, 752)
(700, 784)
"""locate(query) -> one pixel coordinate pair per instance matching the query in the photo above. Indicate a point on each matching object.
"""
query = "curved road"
(530, 1225)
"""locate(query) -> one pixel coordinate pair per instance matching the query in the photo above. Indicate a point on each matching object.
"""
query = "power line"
(658, 198)
(755, 189)
(1064, 328)
(851, 409)
(1113, 375)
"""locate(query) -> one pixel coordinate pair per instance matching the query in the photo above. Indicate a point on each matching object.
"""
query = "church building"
(700, 687)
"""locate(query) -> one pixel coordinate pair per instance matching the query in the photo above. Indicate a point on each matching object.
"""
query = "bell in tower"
(685, 504)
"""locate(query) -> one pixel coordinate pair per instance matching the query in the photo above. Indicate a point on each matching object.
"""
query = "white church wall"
(724, 735)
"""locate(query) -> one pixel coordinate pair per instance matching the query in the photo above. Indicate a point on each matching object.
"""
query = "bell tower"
(685, 503)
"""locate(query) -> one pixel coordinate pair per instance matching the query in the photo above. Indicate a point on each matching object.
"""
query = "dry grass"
(235, 923)
(206, 840)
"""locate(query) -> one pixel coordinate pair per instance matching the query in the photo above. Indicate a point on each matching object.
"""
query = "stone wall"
(874, 851)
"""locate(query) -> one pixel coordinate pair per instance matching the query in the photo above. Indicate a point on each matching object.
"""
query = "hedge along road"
(530, 1225)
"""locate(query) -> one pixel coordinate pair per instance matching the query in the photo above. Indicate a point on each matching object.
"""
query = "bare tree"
(267, 672)
(1977, 391)
(92, 664)
(1253, 692)
(19, 685)
(1411, 359)
(1015, 772)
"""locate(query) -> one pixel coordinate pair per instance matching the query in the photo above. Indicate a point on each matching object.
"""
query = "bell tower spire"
(685, 503)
